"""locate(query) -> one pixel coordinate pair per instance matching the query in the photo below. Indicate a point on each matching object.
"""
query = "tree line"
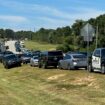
(70, 37)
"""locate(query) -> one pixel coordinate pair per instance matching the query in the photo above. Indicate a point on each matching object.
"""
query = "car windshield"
(8, 52)
(27, 55)
(35, 57)
(79, 56)
(11, 57)
(103, 53)
(57, 53)
(84, 53)
(1, 53)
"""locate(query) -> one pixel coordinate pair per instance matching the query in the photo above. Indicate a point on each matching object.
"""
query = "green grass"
(33, 86)
(40, 46)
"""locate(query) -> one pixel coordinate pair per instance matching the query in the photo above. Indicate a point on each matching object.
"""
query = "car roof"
(100, 48)
(36, 56)
(7, 55)
(26, 54)
(36, 51)
(75, 54)
(51, 51)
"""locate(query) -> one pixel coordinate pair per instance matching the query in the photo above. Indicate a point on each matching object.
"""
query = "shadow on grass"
(69, 86)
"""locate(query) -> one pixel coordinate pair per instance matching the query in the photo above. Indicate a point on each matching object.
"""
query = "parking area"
(49, 83)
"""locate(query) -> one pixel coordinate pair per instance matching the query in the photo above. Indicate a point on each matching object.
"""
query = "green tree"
(76, 27)
(9, 33)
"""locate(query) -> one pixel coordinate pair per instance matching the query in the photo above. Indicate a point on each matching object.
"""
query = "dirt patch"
(89, 81)
(55, 77)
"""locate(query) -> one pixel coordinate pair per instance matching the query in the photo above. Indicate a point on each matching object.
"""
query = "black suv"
(50, 58)
(2, 54)
(11, 60)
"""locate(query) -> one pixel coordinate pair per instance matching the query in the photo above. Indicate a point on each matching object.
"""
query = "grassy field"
(27, 85)
(33, 86)
(40, 46)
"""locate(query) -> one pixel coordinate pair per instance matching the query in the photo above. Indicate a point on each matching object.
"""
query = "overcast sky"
(34, 14)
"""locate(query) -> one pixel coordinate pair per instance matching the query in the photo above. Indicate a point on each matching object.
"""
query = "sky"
(35, 14)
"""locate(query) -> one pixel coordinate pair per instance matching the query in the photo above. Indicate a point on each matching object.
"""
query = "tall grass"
(40, 46)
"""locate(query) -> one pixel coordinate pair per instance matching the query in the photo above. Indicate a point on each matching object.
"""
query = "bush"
(69, 40)
(65, 47)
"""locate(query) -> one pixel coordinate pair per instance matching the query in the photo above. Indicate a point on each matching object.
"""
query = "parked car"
(25, 58)
(49, 58)
(73, 61)
(25, 51)
(78, 52)
(2, 54)
(71, 52)
(87, 54)
(22, 44)
(98, 61)
(11, 60)
(34, 61)
(36, 52)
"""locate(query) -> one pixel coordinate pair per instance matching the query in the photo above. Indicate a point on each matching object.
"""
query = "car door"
(62, 62)
(96, 59)
(67, 61)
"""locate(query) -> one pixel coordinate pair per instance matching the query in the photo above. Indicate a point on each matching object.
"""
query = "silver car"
(73, 61)
(34, 61)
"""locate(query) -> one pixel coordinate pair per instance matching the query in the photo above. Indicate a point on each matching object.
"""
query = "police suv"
(98, 61)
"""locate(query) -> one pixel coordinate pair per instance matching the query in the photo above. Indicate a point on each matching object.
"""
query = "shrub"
(65, 47)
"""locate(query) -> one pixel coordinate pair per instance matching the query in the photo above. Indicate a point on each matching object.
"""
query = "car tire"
(90, 69)
(68, 67)
(23, 62)
(59, 66)
(1, 61)
(44, 66)
(6, 66)
(19, 64)
(86, 68)
(103, 69)
(39, 65)
(55, 66)
(31, 65)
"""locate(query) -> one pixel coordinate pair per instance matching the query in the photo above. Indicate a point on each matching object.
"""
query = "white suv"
(97, 61)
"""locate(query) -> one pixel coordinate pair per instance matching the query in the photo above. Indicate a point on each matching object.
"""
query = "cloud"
(53, 21)
(45, 15)
(54, 12)
(16, 19)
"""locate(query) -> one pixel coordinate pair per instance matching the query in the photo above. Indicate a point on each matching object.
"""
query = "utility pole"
(87, 32)
(73, 39)
(97, 36)
(34, 29)
(30, 34)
